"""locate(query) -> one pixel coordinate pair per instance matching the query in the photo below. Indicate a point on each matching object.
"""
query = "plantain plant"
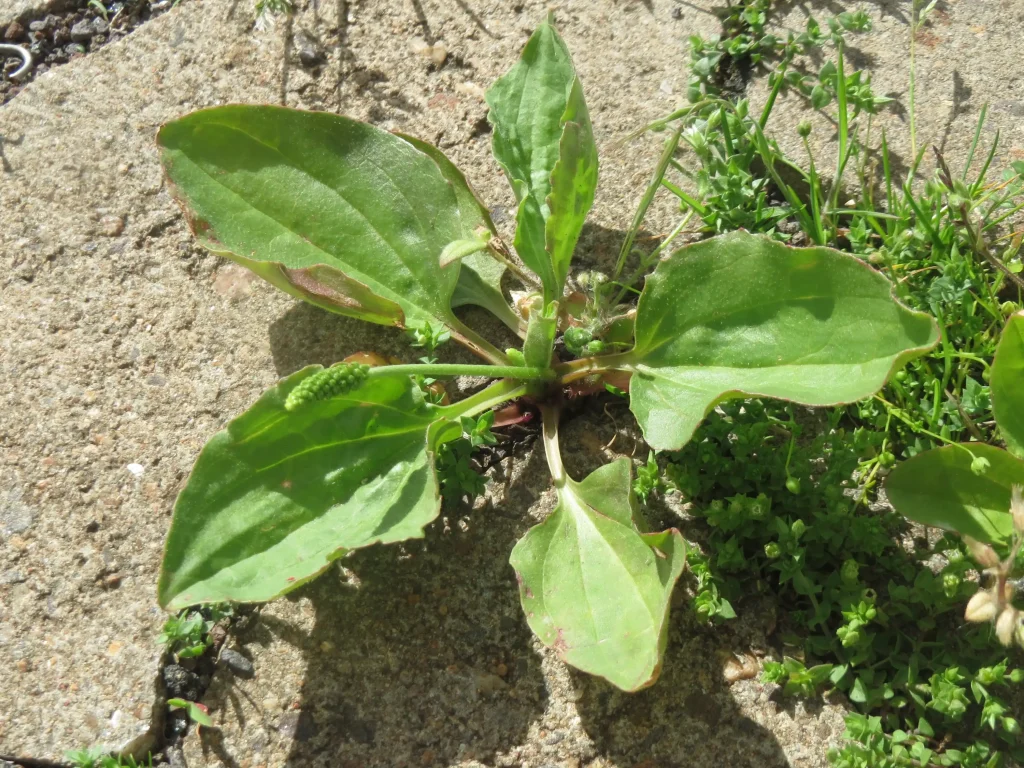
(382, 227)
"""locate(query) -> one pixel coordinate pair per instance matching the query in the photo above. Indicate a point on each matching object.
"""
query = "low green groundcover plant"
(784, 491)
(382, 227)
(967, 487)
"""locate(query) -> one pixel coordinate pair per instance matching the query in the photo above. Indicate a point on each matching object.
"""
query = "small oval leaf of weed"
(742, 315)
(279, 494)
(596, 589)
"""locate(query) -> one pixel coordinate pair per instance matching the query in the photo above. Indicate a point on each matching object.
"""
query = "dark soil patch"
(67, 32)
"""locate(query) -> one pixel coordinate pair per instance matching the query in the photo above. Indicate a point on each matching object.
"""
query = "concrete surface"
(123, 348)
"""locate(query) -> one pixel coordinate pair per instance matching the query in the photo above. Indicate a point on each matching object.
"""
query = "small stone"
(82, 32)
(99, 26)
(113, 581)
(677, 13)
(502, 670)
(12, 577)
(136, 469)
(271, 704)
(300, 726)
(470, 88)
(24, 665)
(175, 758)
(218, 635)
(438, 54)
(326, 646)
(37, 26)
(740, 668)
(488, 683)
(310, 54)
(181, 684)
(14, 31)
(74, 49)
(111, 226)
(237, 663)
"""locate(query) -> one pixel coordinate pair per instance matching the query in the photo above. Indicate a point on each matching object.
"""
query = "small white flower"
(985, 556)
(1006, 624)
(1017, 508)
(981, 607)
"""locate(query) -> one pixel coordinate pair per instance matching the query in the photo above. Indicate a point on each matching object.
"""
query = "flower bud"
(950, 584)
(1017, 508)
(804, 129)
(983, 554)
(980, 465)
(1006, 624)
(772, 550)
(331, 382)
(981, 607)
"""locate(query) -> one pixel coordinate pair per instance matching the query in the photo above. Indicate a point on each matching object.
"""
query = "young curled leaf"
(544, 141)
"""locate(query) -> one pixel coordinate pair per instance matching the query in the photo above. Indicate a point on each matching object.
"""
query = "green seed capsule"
(323, 385)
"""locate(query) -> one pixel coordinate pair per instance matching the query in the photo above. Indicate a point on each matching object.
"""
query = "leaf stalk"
(550, 415)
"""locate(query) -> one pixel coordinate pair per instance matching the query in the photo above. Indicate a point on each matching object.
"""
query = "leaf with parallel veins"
(742, 315)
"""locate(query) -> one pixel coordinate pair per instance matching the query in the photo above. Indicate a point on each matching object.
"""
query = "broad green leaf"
(743, 315)
(332, 210)
(480, 276)
(1008, 384)
(544, 141)
(278, 495)
(938, 488)
(593, 586)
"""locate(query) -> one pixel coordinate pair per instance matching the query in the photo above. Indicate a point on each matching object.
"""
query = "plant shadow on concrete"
(432, 662)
